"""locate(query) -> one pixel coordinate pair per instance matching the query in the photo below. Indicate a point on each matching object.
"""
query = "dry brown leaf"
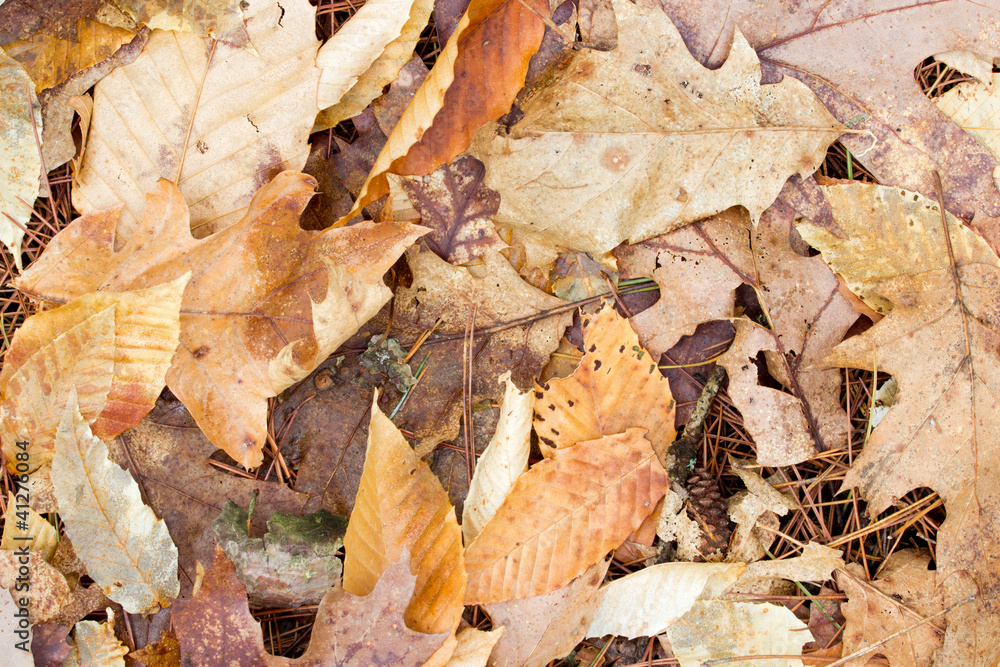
(877, 92)
(19, 183)
(474, 80)
(49, 60)
(940, 342)
(29, 531)
(217, 119)
(502, 462)
(456, 205)
(249, 340)
(165, 652)
(563, 515)
(633, 143)
(546, 627)
(112, 349)
(218, 19)
(59, 18)
(401, 505)
(52, 599)
(617, 386)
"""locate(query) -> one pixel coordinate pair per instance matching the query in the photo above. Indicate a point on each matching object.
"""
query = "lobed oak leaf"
(21, 115)
(617, 386)
(401, 506)
(127, 550)
(474, 80)
(298, 296)
(218, 119)
(563, 515)
(632, 143)
(543, 628)
(877, 93)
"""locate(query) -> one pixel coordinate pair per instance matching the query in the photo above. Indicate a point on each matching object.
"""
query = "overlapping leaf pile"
(212, 369)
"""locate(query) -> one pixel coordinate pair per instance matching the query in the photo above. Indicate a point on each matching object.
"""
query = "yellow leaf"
(97, 646)
(401, 504)
(474, 647)
(564, 515)
(617, 386)
(37, 535)
(126, 549)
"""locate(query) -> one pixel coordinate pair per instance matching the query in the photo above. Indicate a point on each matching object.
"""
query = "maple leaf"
(240, 342)
(939, 341)
(877, 92)
(636, 142)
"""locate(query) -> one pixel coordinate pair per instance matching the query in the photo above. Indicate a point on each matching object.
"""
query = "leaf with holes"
(563, 515)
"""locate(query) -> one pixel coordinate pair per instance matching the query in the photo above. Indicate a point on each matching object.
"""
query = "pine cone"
(708, 508)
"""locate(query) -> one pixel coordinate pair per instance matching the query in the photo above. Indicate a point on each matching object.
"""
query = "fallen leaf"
(401, 505)
(474, 647)
(720, 629)
(816, 563)
(474, 80)
(939, 342)
(456, 205)
(546, 627)
(975, 65)
(128, 551)
(563, 515)
(112, 349)
(165, 652)
(903, 593)
(245, 343)
(502, 462)
(51, 598)
(218, 19)
(645, 603)
(21, 115)
(49, 60)
(617, 386)
(59, 18)
(974, 106)
(389, 108)
(29, 531)
(97, 645)
(233, 118)
(878, 90)
(636, 142)
(18, 645)
(293, 564)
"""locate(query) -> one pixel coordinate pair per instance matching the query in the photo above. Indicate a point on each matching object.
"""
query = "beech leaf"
(18, 148)
(37, 534)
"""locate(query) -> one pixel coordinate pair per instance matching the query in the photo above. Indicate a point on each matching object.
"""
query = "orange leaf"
(564, 515)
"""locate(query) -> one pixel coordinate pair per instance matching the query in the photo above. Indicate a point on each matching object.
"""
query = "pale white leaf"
(474, 647)
(97, 646)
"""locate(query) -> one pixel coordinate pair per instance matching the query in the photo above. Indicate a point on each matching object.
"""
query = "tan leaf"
(401, 505)
(816, 563)
(18, 646)
(903, 593)
(546, 627)
(632, 143)
(128, 551)
(645, 603)
(19, 148)
(49, 60)
(975, 107)
(389, 65)
(231, 118)
(50, 596)
(720, 629)
(165, 652)
(218, 19)
(37, 533)
(940, 342)
(245, 341)
(502, 462)
(975, 65)
(97, 645)
(113, 349)
(474, 647)
(564, 515)
(616, 387)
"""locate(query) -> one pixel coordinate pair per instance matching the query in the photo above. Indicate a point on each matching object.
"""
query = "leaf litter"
(561, 529)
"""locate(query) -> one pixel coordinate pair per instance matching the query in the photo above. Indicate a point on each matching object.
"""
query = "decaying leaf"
(617, 386)
(645, 603)
(401, 505)
(456, 205)
(720, 629)
(112, 349)
(218, 19)
(52, 599)
(128, 551)
(18, 646)
(243, 341)
(902, 594)
(165, 652)
(502, 462)
(59, 18)
(816, 563)
(563, 515)
(97, 645)
(19, 150)
(474, 647)
(474, 80)
(629, 144)
(31, 531)
(546, 627)
(293, 564)
(975, 107)
(218, 119)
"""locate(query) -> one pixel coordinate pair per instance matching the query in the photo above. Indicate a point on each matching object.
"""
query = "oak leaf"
(632, 143)
(877, 93)
(97, 645)
(19, 183)
(401, 506)
(564, 515)
(242, 342)
(231, 118)
(128, 551)
(617, 386)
